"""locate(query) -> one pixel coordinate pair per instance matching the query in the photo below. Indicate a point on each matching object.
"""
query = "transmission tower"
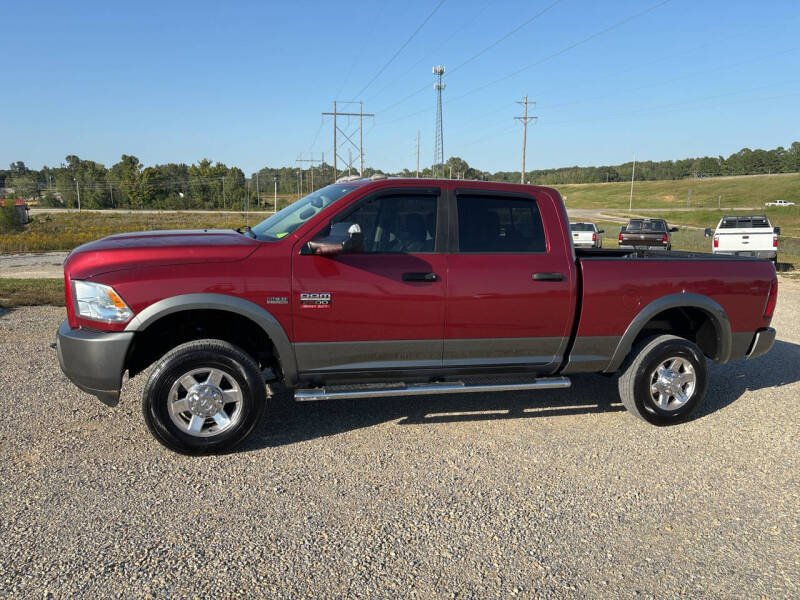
(348, 135)
(438, 146)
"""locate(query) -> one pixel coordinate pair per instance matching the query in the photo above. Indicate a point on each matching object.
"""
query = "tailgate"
(744, 240)
(582, 237)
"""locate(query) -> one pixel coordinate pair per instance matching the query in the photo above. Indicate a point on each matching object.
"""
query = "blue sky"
(245, 82)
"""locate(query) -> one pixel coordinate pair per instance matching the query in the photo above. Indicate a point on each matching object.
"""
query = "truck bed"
(620, 286)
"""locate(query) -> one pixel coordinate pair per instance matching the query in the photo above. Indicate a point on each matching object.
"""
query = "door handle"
(547, 276)
(429, 277)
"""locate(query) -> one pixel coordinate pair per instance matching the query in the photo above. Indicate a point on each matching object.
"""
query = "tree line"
(213, 185)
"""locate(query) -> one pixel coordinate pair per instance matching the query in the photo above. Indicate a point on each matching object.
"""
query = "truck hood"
(157, 248)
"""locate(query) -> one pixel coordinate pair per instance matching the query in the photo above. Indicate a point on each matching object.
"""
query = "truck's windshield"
(286, 220)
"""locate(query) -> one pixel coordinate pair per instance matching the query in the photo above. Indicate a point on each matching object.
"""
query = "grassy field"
(31, 292)
(65, 231)
(746, 191)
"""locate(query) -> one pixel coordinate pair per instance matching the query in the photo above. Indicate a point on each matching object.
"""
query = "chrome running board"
(454, 387)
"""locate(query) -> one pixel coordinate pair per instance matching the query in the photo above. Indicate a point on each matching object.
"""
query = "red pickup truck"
(388, 287)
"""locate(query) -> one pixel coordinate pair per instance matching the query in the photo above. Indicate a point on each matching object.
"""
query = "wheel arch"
(230, 304)
(718, 348)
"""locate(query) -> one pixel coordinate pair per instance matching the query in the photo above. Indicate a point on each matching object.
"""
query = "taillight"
(594, 238)
(620, 238)
(774, 241)
(665, 238)
(716, 241)
(772, 299)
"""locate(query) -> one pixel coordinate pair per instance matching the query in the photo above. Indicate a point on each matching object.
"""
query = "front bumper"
(94, 360)
(762, 342)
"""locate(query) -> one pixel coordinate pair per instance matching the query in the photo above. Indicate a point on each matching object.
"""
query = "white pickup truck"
(779, 203)
(586, 235)
(746, 236)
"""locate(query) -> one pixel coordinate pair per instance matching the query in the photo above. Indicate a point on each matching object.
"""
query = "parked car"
(746, 236)
(586, 235)
(646, 234)
(398, 287)
(779, 203)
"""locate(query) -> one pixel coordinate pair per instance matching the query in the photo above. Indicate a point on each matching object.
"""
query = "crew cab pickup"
(646, 234)
(746, 236)
(391, 287)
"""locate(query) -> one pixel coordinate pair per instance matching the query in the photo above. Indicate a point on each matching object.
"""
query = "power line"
(399, 50)
(540, 61)
(506, 36)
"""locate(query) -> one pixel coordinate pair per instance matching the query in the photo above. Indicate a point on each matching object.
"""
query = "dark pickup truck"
(390, 287)
(646, 234)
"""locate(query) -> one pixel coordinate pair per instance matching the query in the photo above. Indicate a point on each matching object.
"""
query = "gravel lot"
(454, 496)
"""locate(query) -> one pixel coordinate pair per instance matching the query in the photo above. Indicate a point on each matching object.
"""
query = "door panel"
(380, 309)
(505, 306)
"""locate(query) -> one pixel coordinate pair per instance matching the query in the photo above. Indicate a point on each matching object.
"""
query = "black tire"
(640, 368)
(239, 372)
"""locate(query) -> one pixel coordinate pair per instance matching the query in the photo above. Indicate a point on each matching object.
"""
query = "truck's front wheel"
(204, 396)
(664, 380)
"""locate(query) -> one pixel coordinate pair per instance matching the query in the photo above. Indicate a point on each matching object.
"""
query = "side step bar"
(455, 387)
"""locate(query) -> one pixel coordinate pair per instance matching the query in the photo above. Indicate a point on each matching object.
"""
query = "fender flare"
(716, 313)
(206, 301)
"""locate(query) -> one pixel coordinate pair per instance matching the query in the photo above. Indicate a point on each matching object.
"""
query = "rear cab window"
(499, 224)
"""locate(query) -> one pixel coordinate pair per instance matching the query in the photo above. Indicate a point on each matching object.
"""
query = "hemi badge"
(277, 300)
(315, 300)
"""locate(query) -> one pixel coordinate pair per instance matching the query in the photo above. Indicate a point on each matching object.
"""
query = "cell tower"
(438, 147)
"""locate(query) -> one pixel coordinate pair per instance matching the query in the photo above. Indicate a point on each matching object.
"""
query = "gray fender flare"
(719, 318)
(233, 304)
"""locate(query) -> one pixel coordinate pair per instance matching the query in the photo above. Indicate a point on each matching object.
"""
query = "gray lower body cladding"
(94, 360)
(329, 357)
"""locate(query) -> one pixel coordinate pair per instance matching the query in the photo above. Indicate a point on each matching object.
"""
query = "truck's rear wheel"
(204, 396)
(664, 380)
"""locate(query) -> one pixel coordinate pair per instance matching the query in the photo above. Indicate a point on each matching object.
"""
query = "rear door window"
(492, 224)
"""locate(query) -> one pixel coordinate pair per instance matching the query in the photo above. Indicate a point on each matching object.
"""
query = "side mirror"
(601, 231)
(707, 232)
(777, 230)
(623, 229)
(673, 229)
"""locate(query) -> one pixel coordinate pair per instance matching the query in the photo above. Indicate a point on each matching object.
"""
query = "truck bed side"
(718, 301)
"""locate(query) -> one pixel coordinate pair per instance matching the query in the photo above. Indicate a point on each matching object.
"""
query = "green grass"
(745, 191)
(31, 292)
(64, 231)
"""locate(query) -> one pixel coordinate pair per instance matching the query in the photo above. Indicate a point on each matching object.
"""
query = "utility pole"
(223, 192)
(275, 181)
(688, 198)
(258, 195)
(78, 187)
(348, 136)
(311, 160)
(111, 192)
(417, 153)
(633, 172)
(525, 118)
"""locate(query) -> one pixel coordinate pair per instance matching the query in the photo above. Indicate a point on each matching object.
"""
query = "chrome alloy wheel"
(672, 384)
(205, 402)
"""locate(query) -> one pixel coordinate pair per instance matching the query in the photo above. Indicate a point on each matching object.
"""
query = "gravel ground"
(451, 497)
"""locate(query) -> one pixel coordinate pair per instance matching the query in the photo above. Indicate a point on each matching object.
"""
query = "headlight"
(100, 302)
